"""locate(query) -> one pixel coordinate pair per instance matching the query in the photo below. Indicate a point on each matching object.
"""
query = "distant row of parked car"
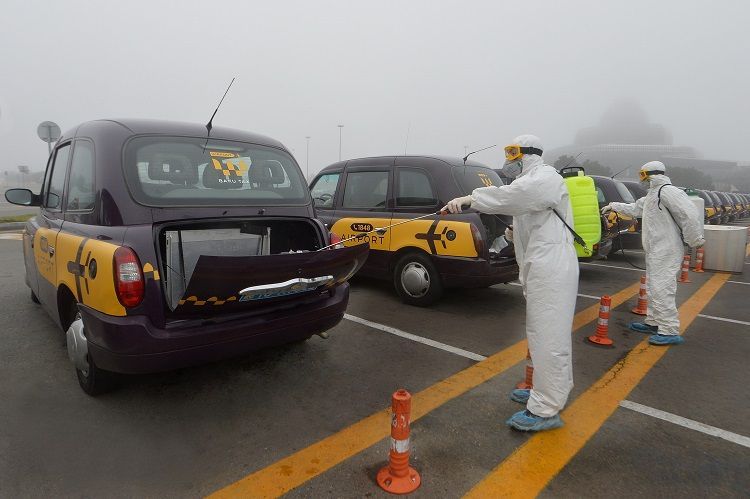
(719, 208)
(724, 207)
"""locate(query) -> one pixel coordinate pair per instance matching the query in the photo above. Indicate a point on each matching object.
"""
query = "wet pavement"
(310, 419)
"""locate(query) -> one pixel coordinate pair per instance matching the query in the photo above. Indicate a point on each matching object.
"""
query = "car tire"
(34, 297)
(417, 280)
(95, 381)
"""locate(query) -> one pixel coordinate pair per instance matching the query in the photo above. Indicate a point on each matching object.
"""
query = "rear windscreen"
(624, 192)
(471, 177)
(186, 171)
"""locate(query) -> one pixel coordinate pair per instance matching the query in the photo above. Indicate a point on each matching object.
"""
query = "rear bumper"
(135, 345)
(473, 272)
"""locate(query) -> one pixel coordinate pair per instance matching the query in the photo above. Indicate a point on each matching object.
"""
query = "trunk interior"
(206, 264)
(500, 249)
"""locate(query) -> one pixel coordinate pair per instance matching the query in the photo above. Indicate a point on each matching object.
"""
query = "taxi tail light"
(335, 240)
(128, 277)
(478, 241)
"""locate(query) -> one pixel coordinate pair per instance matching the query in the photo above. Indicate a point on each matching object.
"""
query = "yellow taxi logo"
(486, 180)
(432, 237)
(229, 165)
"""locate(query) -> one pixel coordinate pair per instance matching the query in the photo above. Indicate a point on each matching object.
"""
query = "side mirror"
(23, 197)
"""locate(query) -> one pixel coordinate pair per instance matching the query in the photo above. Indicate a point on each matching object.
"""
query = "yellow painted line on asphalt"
(528, 470)
(296, 469)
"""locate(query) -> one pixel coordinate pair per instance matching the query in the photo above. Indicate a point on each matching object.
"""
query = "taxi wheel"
(34, 298)
(417, 280)
(94, 381)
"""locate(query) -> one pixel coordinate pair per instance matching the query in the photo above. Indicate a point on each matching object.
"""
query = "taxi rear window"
(627, 196)
(188, 171)
(472, 177)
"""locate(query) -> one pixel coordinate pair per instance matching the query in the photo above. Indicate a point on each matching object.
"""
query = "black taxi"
(421, 257)
(161, 245)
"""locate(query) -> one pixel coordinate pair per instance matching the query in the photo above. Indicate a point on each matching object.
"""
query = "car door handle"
(51, 250)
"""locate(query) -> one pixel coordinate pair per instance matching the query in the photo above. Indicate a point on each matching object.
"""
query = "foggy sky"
(450, 74)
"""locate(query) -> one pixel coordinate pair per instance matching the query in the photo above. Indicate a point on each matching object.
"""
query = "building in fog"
(624, 139)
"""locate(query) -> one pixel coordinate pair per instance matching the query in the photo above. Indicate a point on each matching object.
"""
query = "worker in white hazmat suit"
(669, 217)
(548, 273)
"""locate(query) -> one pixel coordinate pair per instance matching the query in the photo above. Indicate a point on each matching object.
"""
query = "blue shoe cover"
(520, 395)
(642, 327)
(526, 421)
(665, 339)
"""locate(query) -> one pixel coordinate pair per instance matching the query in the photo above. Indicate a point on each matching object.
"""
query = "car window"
(366, 190)
(624, 192)
(414, 189)
(600, 195)
(472, 177)
(81, 178)
(190, 171)
(53, 197)
(324, 190)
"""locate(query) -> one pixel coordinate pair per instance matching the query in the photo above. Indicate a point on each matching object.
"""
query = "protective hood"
(652, 166)
(656, 181)
(530, 161)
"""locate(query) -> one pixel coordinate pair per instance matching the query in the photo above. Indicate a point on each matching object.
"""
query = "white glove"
(607, 209)
(455, 205)
(509, 234)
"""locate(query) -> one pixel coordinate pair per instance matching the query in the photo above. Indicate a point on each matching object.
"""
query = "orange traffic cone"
(527, 383)
(642, 306)
(699, 261)
(398, 477)
(685, 269)
(602, 326)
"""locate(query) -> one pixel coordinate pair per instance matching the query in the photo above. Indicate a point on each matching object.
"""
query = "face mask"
(512, 169)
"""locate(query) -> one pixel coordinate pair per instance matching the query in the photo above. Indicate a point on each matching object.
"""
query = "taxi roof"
(407, 160)
(165, 127)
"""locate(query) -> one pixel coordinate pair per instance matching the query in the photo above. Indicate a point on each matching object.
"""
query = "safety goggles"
(645, 174)
(515, 151)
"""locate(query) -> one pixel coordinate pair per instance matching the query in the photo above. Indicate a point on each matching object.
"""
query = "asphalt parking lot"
(311, 420)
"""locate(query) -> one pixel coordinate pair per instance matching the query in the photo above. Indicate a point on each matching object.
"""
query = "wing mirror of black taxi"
(23, 197)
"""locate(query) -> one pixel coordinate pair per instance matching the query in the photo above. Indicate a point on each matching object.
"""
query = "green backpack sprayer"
(585, 204)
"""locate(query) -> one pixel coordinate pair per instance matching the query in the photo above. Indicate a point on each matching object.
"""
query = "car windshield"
(471, 177)
(627, 197)
(185, 171)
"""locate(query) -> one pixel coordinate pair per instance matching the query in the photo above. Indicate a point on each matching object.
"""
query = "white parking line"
(734, 321)
(687, 423)
(13, 236)
(579, 294)
(610, 266)
(739, 282)
(418, 339)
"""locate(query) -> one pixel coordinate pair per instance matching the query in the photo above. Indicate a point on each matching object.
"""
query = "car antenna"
(478, 150)
(616, 174)
(209, 125)
(570, 162)
(406, 145)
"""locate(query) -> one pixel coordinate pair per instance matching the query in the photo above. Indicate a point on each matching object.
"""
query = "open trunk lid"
(221, 268)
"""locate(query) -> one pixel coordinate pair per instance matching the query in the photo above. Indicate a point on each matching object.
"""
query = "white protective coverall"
(663, 244)
(548, 268)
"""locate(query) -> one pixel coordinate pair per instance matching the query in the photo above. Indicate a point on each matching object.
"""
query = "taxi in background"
(421, 257)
